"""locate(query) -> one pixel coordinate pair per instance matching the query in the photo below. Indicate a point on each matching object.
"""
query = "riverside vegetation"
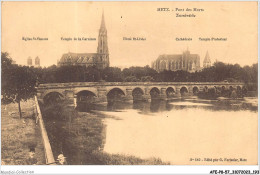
(19, 136)
(81, 137)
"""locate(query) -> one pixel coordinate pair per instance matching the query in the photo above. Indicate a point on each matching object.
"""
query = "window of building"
(163, 65)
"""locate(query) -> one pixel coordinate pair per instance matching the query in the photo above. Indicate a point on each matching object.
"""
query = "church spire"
(207, 59)
(102, 48)
(102, 37)
(103, 25)
(207, 62)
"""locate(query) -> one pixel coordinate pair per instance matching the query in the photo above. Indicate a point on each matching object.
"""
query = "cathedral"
(185, 61)
(99, 59)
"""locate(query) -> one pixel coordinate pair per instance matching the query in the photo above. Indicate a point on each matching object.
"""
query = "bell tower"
(102, 48)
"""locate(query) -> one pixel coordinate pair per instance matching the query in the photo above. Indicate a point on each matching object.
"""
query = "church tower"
(206, 62)
(37, 62)
(29, 61)
(102, 48)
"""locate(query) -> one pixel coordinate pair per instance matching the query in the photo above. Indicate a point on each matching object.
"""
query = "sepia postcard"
(129, 83)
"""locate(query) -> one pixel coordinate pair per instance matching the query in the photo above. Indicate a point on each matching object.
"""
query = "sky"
(235, 21)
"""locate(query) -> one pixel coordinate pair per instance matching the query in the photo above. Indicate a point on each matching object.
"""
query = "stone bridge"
(103, 91)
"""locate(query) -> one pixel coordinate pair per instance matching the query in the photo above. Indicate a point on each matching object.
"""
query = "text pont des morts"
(182, 12)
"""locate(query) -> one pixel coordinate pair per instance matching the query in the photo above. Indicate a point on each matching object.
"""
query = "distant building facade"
(185, 61)
(29, 61)
(99, 59)
(37, 62)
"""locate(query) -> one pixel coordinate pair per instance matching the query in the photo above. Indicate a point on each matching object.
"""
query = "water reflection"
(155, 106)
(178, 129)
(173, 130)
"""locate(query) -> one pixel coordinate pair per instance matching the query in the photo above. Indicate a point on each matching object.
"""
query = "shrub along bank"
(81, 137)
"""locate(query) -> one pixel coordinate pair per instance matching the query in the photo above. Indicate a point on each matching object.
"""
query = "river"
(182, 130)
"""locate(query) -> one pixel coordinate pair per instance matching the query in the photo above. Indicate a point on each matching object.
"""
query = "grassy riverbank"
(81, 137)
(19, 135)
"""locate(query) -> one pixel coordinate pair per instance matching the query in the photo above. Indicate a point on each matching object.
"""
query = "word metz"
(181, 9)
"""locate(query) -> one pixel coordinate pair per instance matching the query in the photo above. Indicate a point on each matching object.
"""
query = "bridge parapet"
(101, 89)
(95, 84)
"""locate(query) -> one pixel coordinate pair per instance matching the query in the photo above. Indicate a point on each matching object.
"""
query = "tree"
(139, 72)
(18, 83)
(69, 73)
(48, 75)
(112, 74)
(147, 79)
(131, 79)
(92, 74)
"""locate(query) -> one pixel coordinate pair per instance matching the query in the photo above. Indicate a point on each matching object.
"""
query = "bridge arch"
(52, 97)
(60, 91)
(206, 88)
(239, 88)
(116, 87)
(155, 93)
(170, 91)
(77, 91)
(195, 90)
(244, 90)
(212, 90)
(86, 96)
(115, 94)
(139, 87)
(218, 88)
(137, 93)
(184, 90)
